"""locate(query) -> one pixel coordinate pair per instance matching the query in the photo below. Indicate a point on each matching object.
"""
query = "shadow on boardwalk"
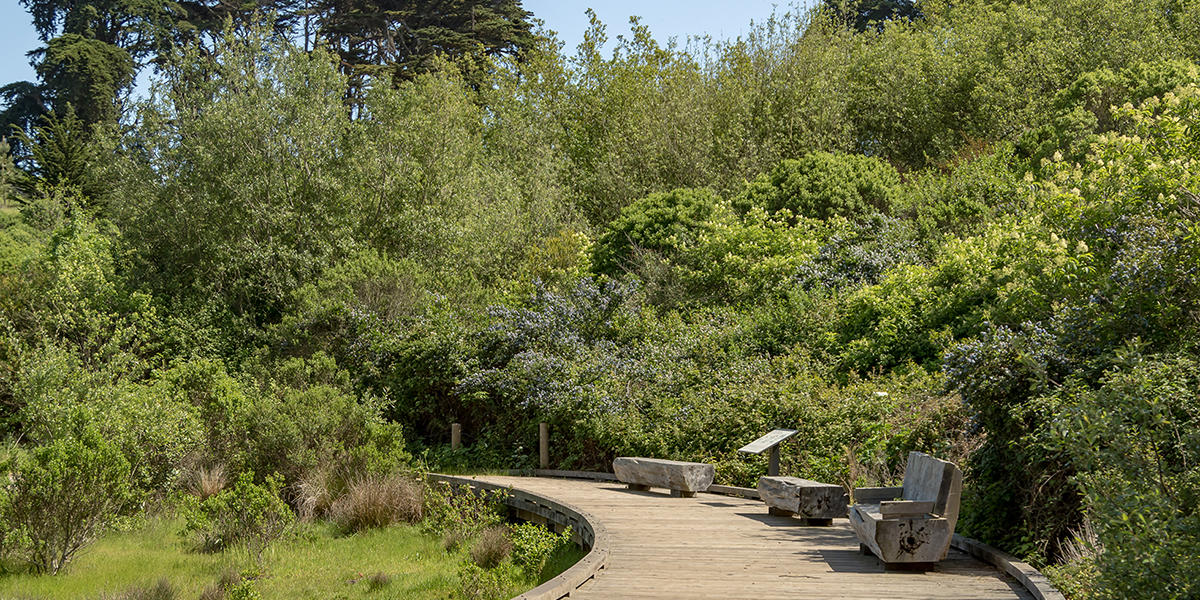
(720, 547)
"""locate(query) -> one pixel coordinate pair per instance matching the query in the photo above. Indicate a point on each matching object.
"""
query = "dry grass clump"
(454, 539)
(379, 501)
(206, 482)
(314, 497)
(162, 590)
(228, 580)
(1083, 546)
(378, 581)
(492, 547)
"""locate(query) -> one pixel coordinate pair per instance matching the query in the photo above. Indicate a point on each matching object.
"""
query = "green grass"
(316, 563)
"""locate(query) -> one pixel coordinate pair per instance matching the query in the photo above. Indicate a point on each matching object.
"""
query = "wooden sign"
(768, 441)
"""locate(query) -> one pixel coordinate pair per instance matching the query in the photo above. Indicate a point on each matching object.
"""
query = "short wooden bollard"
(455, 436)
(544, 445)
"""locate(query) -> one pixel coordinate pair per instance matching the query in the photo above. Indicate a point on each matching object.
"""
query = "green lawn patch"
(317, 562)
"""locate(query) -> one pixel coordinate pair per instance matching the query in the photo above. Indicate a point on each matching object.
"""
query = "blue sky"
(721, 19)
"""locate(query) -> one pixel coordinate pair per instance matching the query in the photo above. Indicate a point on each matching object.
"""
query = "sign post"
(770, 442)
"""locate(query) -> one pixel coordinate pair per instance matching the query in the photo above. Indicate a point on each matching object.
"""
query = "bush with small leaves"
(532, 544)
(822, 185)
(247, 513)
(62, 495)
(664, 223)
(461, 509)
(1136, 443)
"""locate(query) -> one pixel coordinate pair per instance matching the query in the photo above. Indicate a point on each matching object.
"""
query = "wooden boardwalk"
(723, 547)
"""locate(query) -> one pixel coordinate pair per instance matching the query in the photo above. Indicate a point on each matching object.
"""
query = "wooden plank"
(712, 547)
(892, 509)
(765, 442)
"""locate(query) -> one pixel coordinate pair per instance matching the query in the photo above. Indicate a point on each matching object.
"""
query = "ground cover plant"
(221, 549)
(272, 282)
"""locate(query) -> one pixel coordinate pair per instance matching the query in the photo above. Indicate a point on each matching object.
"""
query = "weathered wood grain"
(916, 530)
(682, 478)
(811, 500)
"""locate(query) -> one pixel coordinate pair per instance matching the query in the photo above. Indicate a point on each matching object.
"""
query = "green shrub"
(461, 509)
(664, 223)
(244, 591)
(532, 544)
(822, 185)
(247, 513)
(62, 495)
(1136, 443)
(746, 260)
(478, 583)
(1084, 109)
(961, 202)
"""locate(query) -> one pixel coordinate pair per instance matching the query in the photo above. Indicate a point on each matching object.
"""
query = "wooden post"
(773, 466)
(544, 445)
(455, 436)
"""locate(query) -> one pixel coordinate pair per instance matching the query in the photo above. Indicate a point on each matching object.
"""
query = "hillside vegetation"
(973, 232)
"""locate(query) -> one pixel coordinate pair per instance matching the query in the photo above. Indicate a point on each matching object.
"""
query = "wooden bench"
(684, 479)
(914, 531)
(817, 503)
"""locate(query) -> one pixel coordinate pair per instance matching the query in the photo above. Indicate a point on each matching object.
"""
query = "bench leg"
(637, 487)
(682, 494)
(818, 522)
(779, 512)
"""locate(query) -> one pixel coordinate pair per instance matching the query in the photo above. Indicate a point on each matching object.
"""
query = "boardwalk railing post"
(544, 445)
(455, 436)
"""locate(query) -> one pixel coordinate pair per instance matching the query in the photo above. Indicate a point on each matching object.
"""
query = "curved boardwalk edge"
(585, 528)
(1031, 578)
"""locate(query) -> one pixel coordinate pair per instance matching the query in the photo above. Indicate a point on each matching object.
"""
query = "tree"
(60, 155)
(25, 103)
(137, 26)
(400, 38)
(85, 73)
(871, 14)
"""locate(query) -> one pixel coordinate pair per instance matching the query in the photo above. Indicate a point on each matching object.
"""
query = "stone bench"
(684, 479)
(914, 531)
(817, 503)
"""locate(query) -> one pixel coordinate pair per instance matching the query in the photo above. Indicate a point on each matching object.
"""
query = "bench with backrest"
(915, 530)
(684, 479)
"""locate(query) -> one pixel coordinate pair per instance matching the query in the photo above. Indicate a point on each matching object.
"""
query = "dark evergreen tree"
(871, 14)
(24, 103)
(400, 38)
(60, 154)
(140, 27)
(85, 73)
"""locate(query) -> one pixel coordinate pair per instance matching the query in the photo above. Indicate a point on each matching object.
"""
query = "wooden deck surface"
(722, 547)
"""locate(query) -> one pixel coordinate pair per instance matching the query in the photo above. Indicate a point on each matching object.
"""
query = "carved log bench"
(684, 479)
(915, 531)
(817, 503)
